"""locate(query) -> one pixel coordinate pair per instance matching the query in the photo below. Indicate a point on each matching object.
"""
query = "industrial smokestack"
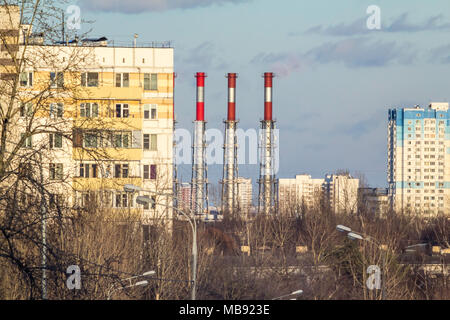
(267, 185)
(199, 183)
(230, 168)
(232, 96)
(200, 96)
(268, 96)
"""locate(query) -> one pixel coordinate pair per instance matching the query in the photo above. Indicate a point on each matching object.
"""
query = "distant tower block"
(199, 170)
(230, 166)
(267, 181)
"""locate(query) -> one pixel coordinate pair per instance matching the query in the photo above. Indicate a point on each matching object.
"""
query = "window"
(26, 79)
(57, 79)
(122, 110)
(26, 110)
(90, 140)
(150, 171)
(122, 80)
(27, 142)
(89, 110)
(150, 81)
(56, 110)
(56, 171)
(146, 141)
(150, 112)
(121, 200)
(89, 79)
(55, 140)
(88, 170)
(154, 82)
(150, 142)
(153, 171)
(121, 171)
(146, 171)
(121, 139)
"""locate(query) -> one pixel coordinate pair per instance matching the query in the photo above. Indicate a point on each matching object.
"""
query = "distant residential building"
(244, 193)
(341, 191)
(302, 190)
(419, 159)
(185, 196)
(374, 200)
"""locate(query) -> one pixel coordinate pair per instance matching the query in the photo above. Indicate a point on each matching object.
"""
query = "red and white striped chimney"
(268, 96)
(199, 161)
(200, 96)
(232, 96)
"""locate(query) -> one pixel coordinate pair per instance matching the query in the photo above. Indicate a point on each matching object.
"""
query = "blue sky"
(335, 78)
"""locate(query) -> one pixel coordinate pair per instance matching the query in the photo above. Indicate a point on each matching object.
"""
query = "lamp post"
(137, 284)
(352, 235)
(140, 283)
(193, 223)
(295, 293)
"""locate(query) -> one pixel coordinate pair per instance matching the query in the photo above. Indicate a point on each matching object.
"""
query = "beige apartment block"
(340, 192)
(245, 193)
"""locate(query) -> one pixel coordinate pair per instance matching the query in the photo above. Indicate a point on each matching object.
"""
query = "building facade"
(419, 159)
(374, 201)
(244, 195)
(339, 191)
(102, 116)
(302, 190)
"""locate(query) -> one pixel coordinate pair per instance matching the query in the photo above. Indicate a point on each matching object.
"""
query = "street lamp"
(137, 284)
(294, 293)
(140, 283)
(342, 228)
(147, 200)
(131, 188)
(352, 235)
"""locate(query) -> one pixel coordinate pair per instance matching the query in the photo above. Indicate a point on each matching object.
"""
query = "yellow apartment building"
(100, 116)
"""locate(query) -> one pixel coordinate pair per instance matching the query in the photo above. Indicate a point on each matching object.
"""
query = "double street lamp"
(146, 200)
(137, 284)
(352, 235)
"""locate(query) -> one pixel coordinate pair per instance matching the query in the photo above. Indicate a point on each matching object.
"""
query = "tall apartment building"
(244, 196)
(101, 114)
(419, 159)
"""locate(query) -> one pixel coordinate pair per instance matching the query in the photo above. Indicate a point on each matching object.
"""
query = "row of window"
(91, 79)
(441, 122)
(117, 139)
(90, 170)
(113, 199)
(91, 110)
